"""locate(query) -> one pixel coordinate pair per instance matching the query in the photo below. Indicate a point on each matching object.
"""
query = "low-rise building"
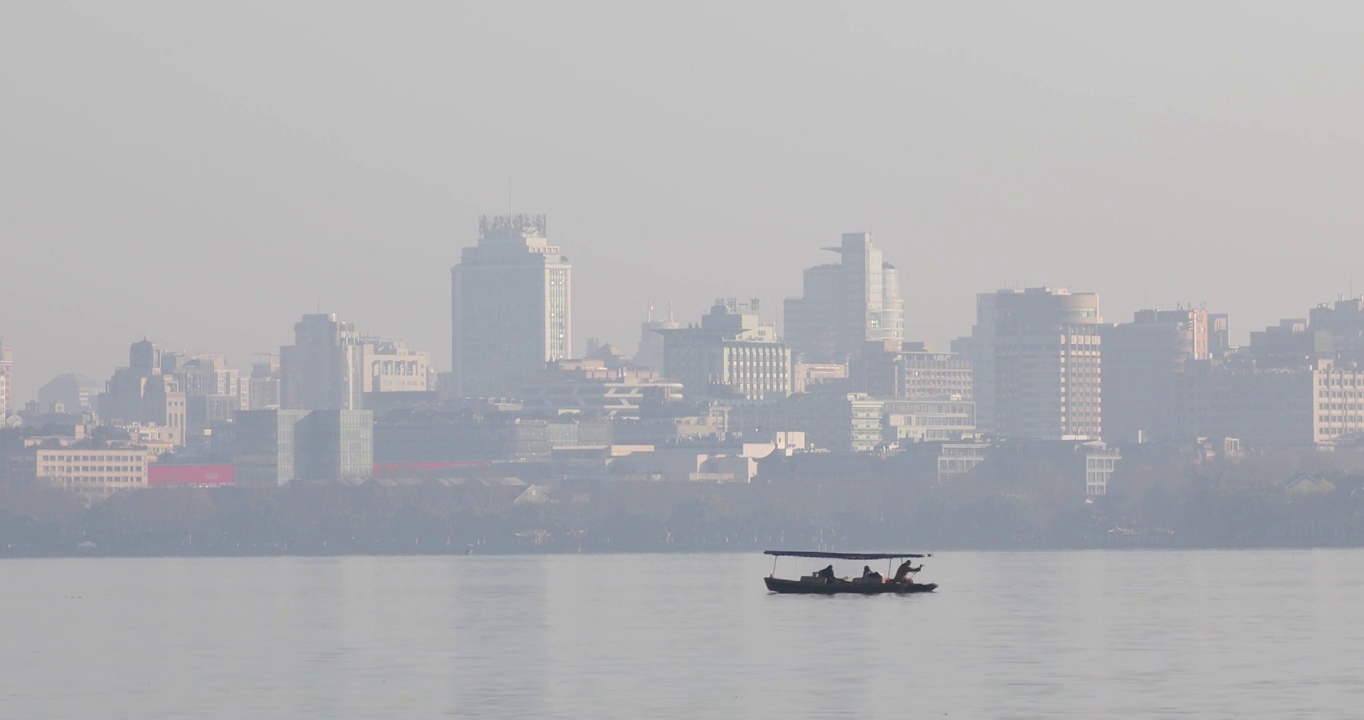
(909, 370)
(91, 470)
(276, 447)
(930, 420)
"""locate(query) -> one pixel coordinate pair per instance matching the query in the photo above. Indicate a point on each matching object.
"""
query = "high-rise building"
(1219, 336)
(1142, 361)
(213, 392)
(733, 353)
(262, 387)
(1036, 364)
(6, 382)
(846, 305)
(208, 374)
(649, 355)
(511, 307)
(324, 368)
(142, 393)
(1344, 323)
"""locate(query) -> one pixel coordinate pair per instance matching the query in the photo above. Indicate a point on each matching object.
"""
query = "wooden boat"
(825, 582)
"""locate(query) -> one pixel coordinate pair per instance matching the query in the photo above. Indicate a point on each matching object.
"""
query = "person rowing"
(906, 569)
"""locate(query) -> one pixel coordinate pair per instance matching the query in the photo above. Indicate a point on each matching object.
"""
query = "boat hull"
(842, 587)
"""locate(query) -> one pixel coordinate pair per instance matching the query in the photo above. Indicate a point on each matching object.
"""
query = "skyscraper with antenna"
(511, 307)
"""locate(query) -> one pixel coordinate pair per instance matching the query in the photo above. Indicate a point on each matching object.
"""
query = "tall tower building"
(846, 305)
(323, 369)
(511, 307)
(142, 393)
(1035, 361)
(6, 382)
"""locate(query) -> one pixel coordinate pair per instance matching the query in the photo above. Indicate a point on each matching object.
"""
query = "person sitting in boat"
(906, 569)
(869, 575)
(827, 573)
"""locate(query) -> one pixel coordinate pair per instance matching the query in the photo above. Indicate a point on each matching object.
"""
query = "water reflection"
(1216, 634)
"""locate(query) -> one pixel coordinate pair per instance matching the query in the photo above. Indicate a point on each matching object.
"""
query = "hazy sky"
(202, 174)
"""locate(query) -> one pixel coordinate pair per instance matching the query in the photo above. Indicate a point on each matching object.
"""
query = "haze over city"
(204, 175)
(708, 359)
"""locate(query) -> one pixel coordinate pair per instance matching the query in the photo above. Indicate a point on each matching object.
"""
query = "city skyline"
(1239, 334)
(226, 187)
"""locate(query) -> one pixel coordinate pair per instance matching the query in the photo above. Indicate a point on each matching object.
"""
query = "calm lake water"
(1007, 635)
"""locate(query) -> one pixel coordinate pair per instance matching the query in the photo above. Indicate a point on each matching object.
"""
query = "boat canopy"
(843, 556)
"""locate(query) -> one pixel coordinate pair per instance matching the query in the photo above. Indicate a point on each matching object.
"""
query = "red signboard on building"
(188, 475)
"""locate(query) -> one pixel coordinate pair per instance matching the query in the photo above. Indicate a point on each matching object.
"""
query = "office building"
(391, 368)
(262, 386)
(1343, 323)
(511, 307)
(277, 447)
(845, 305)
(1036, 364)
(1306, 406)
(142, 393)
(7, 406)
(891, 369)
(323, 369)
(334, 445)
(649, 354)
(89, 469)
(733, 354)
(1142, 360)
(935, 420)
(264, 447)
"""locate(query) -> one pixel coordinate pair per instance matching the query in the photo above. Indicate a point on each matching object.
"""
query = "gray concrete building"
(1035, 357)
(845, 305)
(7, 407)
(649, 354)
(324, 368)
(891, 369)
(732, 354)
(264, 447)
(142, 393)
(1142, 361)
(277, 447)
(1312, 405)
(511, 306)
